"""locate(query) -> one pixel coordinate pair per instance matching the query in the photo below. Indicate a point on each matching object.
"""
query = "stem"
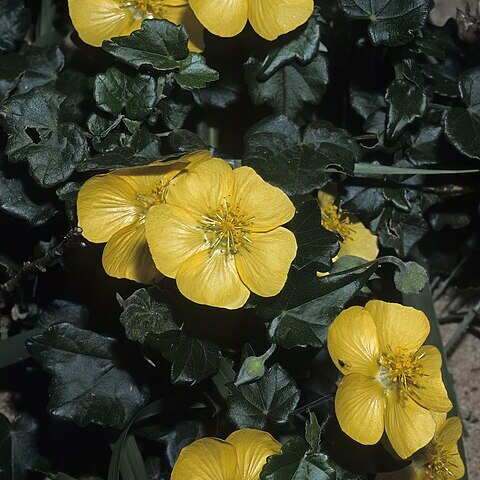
(439, 106)
(314, 404)
(461, 329)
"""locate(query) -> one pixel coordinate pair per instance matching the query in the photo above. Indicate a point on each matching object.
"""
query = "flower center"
(145, 8)
(439, 463)
(155, 196)
(400, 370)
(226, 228)
(337, 221)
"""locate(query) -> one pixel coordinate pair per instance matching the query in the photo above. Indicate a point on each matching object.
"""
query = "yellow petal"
(450, 432)
(264, 263)
(268, 206)
(126, 255)
(360, 242)
(225, 18)
(429, 390)
(353, 342)
(252, 447)
(173, 237)
(271, 18)
(409, 426)
(106, 204)
(201, 191)
(407, 473)
(206, 459)
(179, 12)
(212, 279)
(455, 464)
(440, 418)
(325, 199)
(360, 408)
(399, 326)
(96, 21)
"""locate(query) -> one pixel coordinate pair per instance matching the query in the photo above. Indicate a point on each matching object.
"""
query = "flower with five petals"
(219, 235)
(112, 208)
(100, 20)
(392, 383)
(269, 18)
(240, 457)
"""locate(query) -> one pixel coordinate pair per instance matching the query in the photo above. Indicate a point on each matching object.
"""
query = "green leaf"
(462, 125)
(19, 451)
(315, 243)
(192, 360)
(162, 45)
(289, 88)
(16, 200)
(295, 463)
(116, 92)
(313, 433)
(406, 103)
(270, 399)
(300, 46)
(131, 461)
(186, 141)
(392, 22)
(307, 305)
(425, 146)
(58, 311)
(33, 68)
(276, 150)
(366, 103)
(36, 135)
(89, 384)
(195, 73)
(144, 312)
(14, 22)
(221, 94)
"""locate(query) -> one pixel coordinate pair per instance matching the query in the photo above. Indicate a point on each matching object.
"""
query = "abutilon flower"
(356, 239)
(240, 457)
(392, 383)
(269, 18)
(113, 207)
(100, 20)
(219, 235)
(439, 460)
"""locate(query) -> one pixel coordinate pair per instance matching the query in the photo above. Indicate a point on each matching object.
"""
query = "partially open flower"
(240, 457)
(356, 239)
(99, 20)
(219, 235)
(113, 207)
(269, 18)
(440, 459)
(392, 383)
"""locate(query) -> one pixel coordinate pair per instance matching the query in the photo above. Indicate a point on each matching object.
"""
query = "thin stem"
(314, 404)
(439, 106)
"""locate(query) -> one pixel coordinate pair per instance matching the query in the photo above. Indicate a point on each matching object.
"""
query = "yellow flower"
(439, 460)
(391, 381)
(113, 207)
(99, 20)
(269, 18)
(219, 235)
(356, 239)
(241, 457)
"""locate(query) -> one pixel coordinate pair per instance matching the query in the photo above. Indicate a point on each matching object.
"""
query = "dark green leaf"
(14, 21)
(194, 72)
(186, 141)
(392, 22)
(220, 94)
(192, 360)
(290, 87)
(184, 434)
(89, 384)
(463, 124)
(315, 243)
(58, 311)
(424, 148)
(444, 77)
(307, 305)
(406, 103)
(271, 399)
(33, 68)
(413, 72)
(19, 451)
(144, 312)
(276, 150)
(36, 135)
(366, 103)
(116, 92)
(131, 461)
(15, 200)
(313, 433)
(301, 46)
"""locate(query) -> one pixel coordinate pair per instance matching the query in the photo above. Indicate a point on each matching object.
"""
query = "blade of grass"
(131, 461)
(370, 169)
(12, 349)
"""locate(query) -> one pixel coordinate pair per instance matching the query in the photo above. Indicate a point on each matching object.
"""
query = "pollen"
(439, 463)
(226, 229)
(337, 221)
(145, 8)
(400, 370)
(156, 195)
